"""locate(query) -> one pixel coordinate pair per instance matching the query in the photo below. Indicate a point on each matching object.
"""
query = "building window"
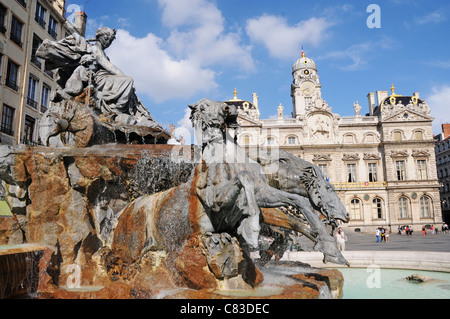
(324, 169)
(418, 135)
(425, 207)
(422, 169)
(34, 59)
(397, 136)
(3, 13)
(270, 141)
(351, 172)
(348, 139)
(45, 97)
(23, 3)
(403, 207)
(31, 97)
(377, 208)
(355, 209)
(370, 138)
(12, 75)
(308, 102)
(291, 140)
(29, 129)
(16, 31)
(401, 173)
(41, 12)
(52, 27)
(1, 67)
(373, 172)
(7, 120)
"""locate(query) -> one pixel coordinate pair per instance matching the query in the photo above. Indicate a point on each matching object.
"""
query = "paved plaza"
(416, 242)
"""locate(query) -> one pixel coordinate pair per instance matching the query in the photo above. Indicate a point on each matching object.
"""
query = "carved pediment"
(368, 156)
(405, 114)
(351, 157)
(246, 121)
(420, 153)
(321, 157)
(399, 154)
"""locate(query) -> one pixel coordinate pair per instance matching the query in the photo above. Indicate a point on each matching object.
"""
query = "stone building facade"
(25, 86)
(382, 164)
(442, 150)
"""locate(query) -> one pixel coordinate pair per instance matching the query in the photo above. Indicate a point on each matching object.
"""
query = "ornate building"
(442, 151)
(25, 85)
(382, 164)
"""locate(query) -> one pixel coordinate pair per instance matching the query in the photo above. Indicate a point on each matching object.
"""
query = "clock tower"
(305, 88)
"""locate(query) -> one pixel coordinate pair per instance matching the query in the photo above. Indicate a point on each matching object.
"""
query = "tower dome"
(304, 63)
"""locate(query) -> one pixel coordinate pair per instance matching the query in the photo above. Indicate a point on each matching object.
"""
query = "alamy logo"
(74, 279)
(374, 20)
(374, 280)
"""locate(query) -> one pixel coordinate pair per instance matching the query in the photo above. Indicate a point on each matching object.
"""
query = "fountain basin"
(415, 260)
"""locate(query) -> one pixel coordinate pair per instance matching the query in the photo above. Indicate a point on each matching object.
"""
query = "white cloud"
(198, 33)
(433, 17)
(357, 56)
(439, 102)
(185, 129)
(282, 40)
(155, 72)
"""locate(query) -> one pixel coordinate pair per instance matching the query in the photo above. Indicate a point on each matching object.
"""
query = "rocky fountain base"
(76, 203)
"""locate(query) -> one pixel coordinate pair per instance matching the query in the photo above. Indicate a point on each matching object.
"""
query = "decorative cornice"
(420, 153)
(321, 157)
(399, 154)
(368, 156)
(351, 157)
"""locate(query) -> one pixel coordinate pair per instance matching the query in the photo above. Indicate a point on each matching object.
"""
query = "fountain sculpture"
(137, 218)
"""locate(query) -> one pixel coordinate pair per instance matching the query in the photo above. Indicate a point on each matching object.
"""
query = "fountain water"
(19, 270)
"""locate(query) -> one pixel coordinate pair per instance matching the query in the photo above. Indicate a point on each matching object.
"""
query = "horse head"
(298, 176)
(211, 119)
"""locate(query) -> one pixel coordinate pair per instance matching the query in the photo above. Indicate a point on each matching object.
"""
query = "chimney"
(445, 130)
(371, 98)
(381, 95)
(255, 100)
(80, 23)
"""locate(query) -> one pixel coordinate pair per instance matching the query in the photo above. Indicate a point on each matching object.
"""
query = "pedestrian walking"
(383, 234)
(410, 230)
(377, 233)
(424, 231)
(386, 235)
(340, 239)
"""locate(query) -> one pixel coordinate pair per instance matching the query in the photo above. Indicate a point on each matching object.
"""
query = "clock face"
(307, 88)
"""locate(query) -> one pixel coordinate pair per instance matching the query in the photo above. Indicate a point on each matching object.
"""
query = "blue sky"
(180, 51)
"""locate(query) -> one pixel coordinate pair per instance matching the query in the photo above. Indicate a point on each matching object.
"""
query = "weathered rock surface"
(69, 199)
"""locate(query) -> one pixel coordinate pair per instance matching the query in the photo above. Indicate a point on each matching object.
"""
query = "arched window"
(292, 140)
(369, 138)
(349, 139)
(377, 208)
(418, 135)
(355, 209)
(270, 141)
(246, 140)
(403, 207)
(397, 136)
(425, 207)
